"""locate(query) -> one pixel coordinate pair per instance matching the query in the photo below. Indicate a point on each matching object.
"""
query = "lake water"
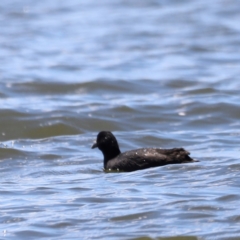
(158, 74)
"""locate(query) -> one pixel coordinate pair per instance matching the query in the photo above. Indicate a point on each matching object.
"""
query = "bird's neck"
(110, 154)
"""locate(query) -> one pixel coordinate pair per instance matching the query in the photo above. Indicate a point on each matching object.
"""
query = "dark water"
(156, 73)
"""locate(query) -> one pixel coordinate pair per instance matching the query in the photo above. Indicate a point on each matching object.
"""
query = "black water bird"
(136, 159)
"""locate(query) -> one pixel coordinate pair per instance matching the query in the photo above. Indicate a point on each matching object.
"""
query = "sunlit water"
(157, 74)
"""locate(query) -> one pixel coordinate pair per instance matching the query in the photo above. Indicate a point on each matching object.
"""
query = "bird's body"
(145, 158)
(136, 159)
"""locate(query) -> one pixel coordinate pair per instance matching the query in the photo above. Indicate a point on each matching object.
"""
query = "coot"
(137, 159)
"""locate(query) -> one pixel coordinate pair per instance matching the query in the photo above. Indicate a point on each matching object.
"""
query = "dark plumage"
(136, 159)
